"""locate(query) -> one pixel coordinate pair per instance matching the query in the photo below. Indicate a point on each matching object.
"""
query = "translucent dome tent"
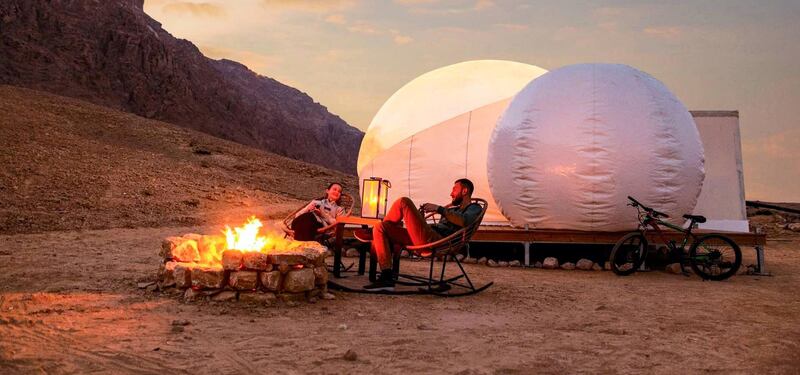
(436, 129)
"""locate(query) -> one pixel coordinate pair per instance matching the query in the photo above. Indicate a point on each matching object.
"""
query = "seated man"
(458, 214)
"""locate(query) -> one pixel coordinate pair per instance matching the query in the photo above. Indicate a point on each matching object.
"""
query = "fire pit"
(244, 264)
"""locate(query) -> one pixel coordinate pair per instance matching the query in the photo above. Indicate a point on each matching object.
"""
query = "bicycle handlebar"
(653, 212)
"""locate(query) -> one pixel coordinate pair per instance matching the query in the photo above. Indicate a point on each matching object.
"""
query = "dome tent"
(575, 142)
(436, 129)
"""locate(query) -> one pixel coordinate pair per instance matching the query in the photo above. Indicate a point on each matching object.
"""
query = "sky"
(352, 55)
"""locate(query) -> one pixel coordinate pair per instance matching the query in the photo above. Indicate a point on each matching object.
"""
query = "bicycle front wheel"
(628, 253)
(715, 257)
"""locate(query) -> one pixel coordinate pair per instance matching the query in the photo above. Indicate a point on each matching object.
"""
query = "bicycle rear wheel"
(628, 253)
(715, 257)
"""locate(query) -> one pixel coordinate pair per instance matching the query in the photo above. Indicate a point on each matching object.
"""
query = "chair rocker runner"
(445, 249)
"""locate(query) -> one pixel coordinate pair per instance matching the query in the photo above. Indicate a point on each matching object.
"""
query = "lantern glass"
(374, 195)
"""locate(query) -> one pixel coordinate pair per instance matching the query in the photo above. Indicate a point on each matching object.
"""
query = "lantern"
(374, 195)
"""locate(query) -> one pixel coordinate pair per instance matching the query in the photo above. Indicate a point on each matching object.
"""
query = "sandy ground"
(69, 304)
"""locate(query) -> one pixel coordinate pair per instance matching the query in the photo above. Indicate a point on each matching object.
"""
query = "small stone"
(584, 264)
(208, 277)
(405, 254)
(491, 263)
(177, 329)
(568, 266)
(687, 269)
(673, 268)
(350, 355)
(460, 257)
(145, 284)
(225, 295)
(794, 227)
(166, 274)
(538, 264)
(596, 267)
(328, 296)
(258, 298)
(292, 297)
(607, 266)
(514, 263)
(183, 274)
(181, 322)
(256, 261)
(351, 252)
(232, 260)
(191, 295)
(469, 260)
(502, 263)
(550, 263)
(243, 280)
(320, 275)
(342, 327)
(298, 281)
(483, 260)
(271, 281)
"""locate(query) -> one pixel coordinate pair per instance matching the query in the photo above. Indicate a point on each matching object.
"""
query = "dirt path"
(69, 303)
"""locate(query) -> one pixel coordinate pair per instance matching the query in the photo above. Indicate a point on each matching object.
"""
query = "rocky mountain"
(113, 54)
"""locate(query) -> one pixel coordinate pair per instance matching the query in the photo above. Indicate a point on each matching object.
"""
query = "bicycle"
(712, 256)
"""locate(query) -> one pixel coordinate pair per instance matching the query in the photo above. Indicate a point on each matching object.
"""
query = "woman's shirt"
(330, 210)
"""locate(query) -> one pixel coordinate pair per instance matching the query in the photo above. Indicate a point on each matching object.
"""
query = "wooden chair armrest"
(326, 228)
(438, 242)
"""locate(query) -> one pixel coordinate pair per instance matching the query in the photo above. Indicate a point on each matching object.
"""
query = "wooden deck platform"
(529, 237)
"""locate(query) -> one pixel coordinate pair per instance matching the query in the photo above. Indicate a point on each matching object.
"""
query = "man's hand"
(430, 207)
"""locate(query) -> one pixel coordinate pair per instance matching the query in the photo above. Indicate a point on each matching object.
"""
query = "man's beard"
(457, 200)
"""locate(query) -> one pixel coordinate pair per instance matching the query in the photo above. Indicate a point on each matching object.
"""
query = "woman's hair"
(338, 201)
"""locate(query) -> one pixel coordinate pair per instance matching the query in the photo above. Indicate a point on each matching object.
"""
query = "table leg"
(337, 251)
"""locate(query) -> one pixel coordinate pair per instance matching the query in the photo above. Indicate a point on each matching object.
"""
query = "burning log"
(243, 280)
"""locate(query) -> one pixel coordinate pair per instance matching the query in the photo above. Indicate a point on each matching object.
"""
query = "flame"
(247, 238)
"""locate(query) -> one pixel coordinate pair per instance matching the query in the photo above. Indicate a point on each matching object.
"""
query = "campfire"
(245, 262)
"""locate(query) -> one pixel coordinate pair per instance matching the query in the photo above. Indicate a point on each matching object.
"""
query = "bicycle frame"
(646, 220)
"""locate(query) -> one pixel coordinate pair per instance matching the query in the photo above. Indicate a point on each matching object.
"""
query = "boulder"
(514, 263)
(167, 245)
(491, 263)
(538, 264)
(232, 260)
(483, 260)
(596, 267)
(298, 281)
(271, 281)
(351, 252)
(256, 261)
(183, 274)
(550, 263)
(243, 280)
(568, 266)
(794, 227)
(207, 277)
(584, 264)
(502, 263)
(166, 274)
(320, 275)
(225, 295)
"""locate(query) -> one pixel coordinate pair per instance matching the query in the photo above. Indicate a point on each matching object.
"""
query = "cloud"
(194, 9)
(363, 27)
(513, 26)
(336, 19)
(402, 39)
(439, 8)
(256, 62)
(330, 56)
(664, 32)
(313, 6)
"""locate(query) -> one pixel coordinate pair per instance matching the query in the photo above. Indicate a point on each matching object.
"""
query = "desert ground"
(88, 193)
(69, 303)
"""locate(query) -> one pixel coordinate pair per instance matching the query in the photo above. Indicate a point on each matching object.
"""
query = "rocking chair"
(445, 249)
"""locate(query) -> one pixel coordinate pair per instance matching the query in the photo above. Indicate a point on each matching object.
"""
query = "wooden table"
(365, 223)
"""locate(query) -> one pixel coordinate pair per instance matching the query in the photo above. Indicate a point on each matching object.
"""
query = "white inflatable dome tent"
(436, 129)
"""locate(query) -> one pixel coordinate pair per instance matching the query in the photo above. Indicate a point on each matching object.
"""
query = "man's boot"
(385, 282)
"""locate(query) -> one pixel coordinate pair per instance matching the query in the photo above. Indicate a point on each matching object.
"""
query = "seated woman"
(318, 214)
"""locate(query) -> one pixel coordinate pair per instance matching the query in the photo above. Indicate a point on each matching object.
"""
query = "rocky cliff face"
(111, 53)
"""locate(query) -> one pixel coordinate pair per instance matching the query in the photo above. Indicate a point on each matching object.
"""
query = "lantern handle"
(387, 183)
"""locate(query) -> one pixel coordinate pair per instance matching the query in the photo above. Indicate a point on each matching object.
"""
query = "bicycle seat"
(695, 218)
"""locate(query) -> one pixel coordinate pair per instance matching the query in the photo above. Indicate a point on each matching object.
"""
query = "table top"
(357, 220)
